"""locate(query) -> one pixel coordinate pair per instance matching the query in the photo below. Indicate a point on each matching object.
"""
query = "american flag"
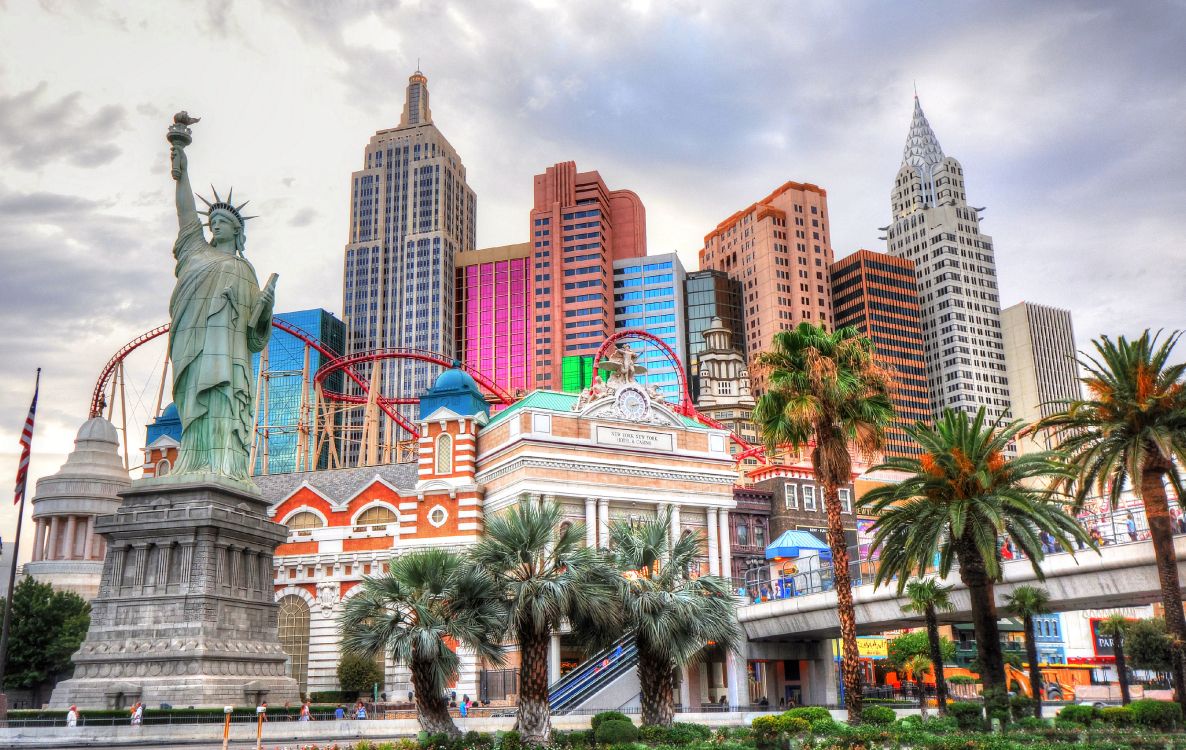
(22, 472)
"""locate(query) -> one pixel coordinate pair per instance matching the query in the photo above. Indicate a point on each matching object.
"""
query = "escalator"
(606, 681)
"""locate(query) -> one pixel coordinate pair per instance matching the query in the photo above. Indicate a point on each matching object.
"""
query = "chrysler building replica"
(934, 226)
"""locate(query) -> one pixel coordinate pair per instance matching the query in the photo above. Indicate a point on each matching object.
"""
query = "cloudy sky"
(1069, 119)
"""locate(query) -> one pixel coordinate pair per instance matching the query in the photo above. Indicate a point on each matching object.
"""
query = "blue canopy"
(793, 543)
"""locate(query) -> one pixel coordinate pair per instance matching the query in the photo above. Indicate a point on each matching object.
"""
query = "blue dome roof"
(454, 379)
(169, 414)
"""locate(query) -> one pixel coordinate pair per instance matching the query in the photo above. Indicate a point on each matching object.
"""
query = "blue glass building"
(649, 295)
(284, 413)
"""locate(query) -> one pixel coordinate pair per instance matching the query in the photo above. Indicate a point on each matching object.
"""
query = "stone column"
(185, 562)
(590, 522)
(714, 550)
(736, 679)
(88, 544)
(38, 541)
(726, 544)
(71, 528)
(603, 523)
(554, 659)
(676, 529)
(685, 688)
(53, 545)
(138, 561)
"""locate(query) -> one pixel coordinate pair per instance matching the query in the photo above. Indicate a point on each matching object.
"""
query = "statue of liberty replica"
(186, 613)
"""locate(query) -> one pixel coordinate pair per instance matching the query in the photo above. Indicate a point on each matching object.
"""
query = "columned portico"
(714, 550)
(590, 522)
(725, 543)
(603, 523)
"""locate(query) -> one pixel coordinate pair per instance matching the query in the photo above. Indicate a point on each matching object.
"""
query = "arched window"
(305, 520)
(294, 637)
(444, 453)
(376, 516)
(162, 467)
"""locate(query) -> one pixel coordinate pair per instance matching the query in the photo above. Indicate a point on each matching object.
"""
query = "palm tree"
(1026, 602)
(547, 575)
(928, 597)
(672, 614)
(1116, 626)
(918, 665)
(427, 603)
(1131, 430)
(825, 386)
(961, 496)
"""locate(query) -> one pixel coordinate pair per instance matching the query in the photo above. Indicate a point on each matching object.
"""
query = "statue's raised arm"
(180, 136)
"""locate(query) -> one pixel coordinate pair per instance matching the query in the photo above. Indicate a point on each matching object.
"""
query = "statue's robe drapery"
(211, 342)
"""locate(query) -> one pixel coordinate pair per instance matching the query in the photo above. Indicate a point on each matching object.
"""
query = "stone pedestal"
(185, 613)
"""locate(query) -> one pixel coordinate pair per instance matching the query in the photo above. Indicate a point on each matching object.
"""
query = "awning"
(793, 543)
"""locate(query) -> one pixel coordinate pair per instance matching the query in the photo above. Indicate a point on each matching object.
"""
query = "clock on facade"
(634, 403)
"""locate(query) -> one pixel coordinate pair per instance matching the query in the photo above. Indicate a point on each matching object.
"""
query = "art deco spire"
(922, 147)
(416, 111)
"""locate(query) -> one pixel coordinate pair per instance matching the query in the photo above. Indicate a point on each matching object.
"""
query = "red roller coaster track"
(684, 405)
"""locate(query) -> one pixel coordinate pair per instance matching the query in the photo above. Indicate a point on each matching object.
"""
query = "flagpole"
(16, 549)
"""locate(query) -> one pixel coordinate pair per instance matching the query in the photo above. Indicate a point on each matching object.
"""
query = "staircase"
(613, 666)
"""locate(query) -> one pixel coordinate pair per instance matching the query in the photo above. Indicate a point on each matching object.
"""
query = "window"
(808, 497)
(162, 467)
(444, 453)
(305, 520)
(760, 534)
(742, 533)
(293, 629)
(792, 496)
(437, 516)
(376, 516)
(845, 501)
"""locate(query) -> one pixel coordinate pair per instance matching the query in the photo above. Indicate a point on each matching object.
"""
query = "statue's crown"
(226, 206)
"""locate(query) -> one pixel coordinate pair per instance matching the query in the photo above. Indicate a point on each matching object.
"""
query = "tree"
(46, 628)
(918, 665)
(671, 614)
(1147, 645)
(902, 647)
(1115, 627)
(427, 604)
(358, 673)
(1131, 430)
(928, 597)
(546, 574)
(961, 495)
(825, 386)
(1026, 602)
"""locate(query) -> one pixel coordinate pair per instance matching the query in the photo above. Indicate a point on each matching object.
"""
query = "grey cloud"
(303, 218)
(36, 129)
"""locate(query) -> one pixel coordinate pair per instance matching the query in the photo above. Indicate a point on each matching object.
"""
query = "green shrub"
(616, 732)
(577, 738)
(793, 725)
(908, 724)
(358, 673)
(940, 724)
(477, 741)
(436, 741)
(1022, 705)
(968, 716)
(1030, 723)
(766, 729)
(510, 741)
(824, 726)
(1156, 714)
(1085, 715)
(1117, 716)
(597, 719)
(810, 713)
(878, 716)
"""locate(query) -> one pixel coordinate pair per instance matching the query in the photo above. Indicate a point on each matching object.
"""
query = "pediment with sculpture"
(621, 397)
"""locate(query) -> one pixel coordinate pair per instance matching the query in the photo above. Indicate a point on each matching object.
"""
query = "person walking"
(306, 713)
(360, 711)
(464, 706)
(137, 714)
(72, 717)
(1130, 524)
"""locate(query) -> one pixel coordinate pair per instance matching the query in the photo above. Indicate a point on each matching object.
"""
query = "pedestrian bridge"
(1119, 575)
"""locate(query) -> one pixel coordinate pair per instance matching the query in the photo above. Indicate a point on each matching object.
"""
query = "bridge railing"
(1112, 528)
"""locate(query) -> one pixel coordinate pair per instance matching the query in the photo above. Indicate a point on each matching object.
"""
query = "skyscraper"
(779, 249)
(709, 296)
(877, 294)
(579, 227)
(1040, 357)
(493, 319)
(934, 226)
(649, 296)
(411, 212)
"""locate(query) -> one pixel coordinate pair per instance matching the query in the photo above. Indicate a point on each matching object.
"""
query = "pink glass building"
(493, 294)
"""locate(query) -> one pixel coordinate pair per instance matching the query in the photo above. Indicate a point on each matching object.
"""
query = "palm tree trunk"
(936, 648)
(984, 624)
(1031, 654)
(1121, 667)
(1161, 531)
(534, 721)
(656, 677)
(922, 695)
(850, 667)
(432, 710)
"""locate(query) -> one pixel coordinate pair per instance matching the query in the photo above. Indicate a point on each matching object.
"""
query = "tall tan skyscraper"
(779, 249)
(579, 227)
(1040, 356)
(934, 227)
(411, 211)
